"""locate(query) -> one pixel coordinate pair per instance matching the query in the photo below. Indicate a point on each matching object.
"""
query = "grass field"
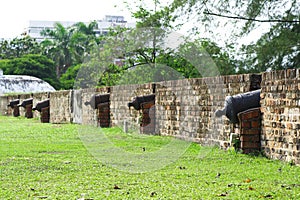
(50, 161)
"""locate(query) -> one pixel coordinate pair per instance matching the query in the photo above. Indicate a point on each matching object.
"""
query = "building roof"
(23, 84)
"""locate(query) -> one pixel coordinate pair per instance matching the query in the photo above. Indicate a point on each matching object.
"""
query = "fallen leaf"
(230, 185)
(67, 162)
(268, 196)
(153, 194)
(116, 187)
(279, 170)
(247, 180)
(251, 188)
(223, 194)
(42, 197)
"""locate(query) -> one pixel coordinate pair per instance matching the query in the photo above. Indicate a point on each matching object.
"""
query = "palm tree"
(68, 46)
(83, 40)
(57, 46)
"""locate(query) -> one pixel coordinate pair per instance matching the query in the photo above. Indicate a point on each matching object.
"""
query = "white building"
(35, 27)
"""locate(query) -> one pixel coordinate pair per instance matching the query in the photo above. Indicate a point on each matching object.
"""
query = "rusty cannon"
(97, 99)
(14, 105)
(41, 104)
(27, 104)
(139, 100)
(44, 108)
(146, 104)
(239, 103)
(101, 102)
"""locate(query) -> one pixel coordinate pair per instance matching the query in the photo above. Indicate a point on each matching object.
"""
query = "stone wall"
(185, 108)
(61, 106)
(120, 96)
(39, 97)
(4, 101)
(280, 100)
(23, 97)
(89, 115)
(250, 130)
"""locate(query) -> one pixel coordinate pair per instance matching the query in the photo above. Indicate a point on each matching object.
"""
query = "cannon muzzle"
(96, 99)
(238, 103)
(26, 102)
(13, 103)
(41, 104)
(137, 101)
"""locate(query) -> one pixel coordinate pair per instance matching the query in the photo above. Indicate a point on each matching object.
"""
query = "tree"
(67, 79)
(68, 46)
(19, 47)
(33, 65)
(201, 58)
(145, 57)
(278, 48)
(83, 40)
(57, 47)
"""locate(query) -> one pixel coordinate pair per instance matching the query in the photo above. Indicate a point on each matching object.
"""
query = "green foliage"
(207, 58)
(277, 49)
(67, 80)
(68, 46)
(158, 18)
(19, 47)
(33, 65)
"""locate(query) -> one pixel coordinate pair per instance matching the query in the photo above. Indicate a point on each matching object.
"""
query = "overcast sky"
(16, 14)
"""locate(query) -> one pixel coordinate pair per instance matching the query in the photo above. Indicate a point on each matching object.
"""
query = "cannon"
(137, 101)
(97, 99)
(26, 102)
(238, 103)
(101, 102)
(44, 108)
(41, 104)
(13, 103)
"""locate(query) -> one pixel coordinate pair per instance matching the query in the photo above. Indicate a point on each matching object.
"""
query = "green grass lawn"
(51, 161)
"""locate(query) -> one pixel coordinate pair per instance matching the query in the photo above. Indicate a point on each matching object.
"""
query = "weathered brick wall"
(250, 130)
(148, 121)
(280, 100)
(185, 108)
(4, 101)
(23, 97)
(39, 97)
(119, 99)
(61, 106)
(89, 115)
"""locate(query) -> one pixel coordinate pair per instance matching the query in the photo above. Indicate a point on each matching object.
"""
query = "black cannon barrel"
(26, 102)
(238, 103)
(96, 99)
(137, 101)
(13, 103)
(41, 104)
